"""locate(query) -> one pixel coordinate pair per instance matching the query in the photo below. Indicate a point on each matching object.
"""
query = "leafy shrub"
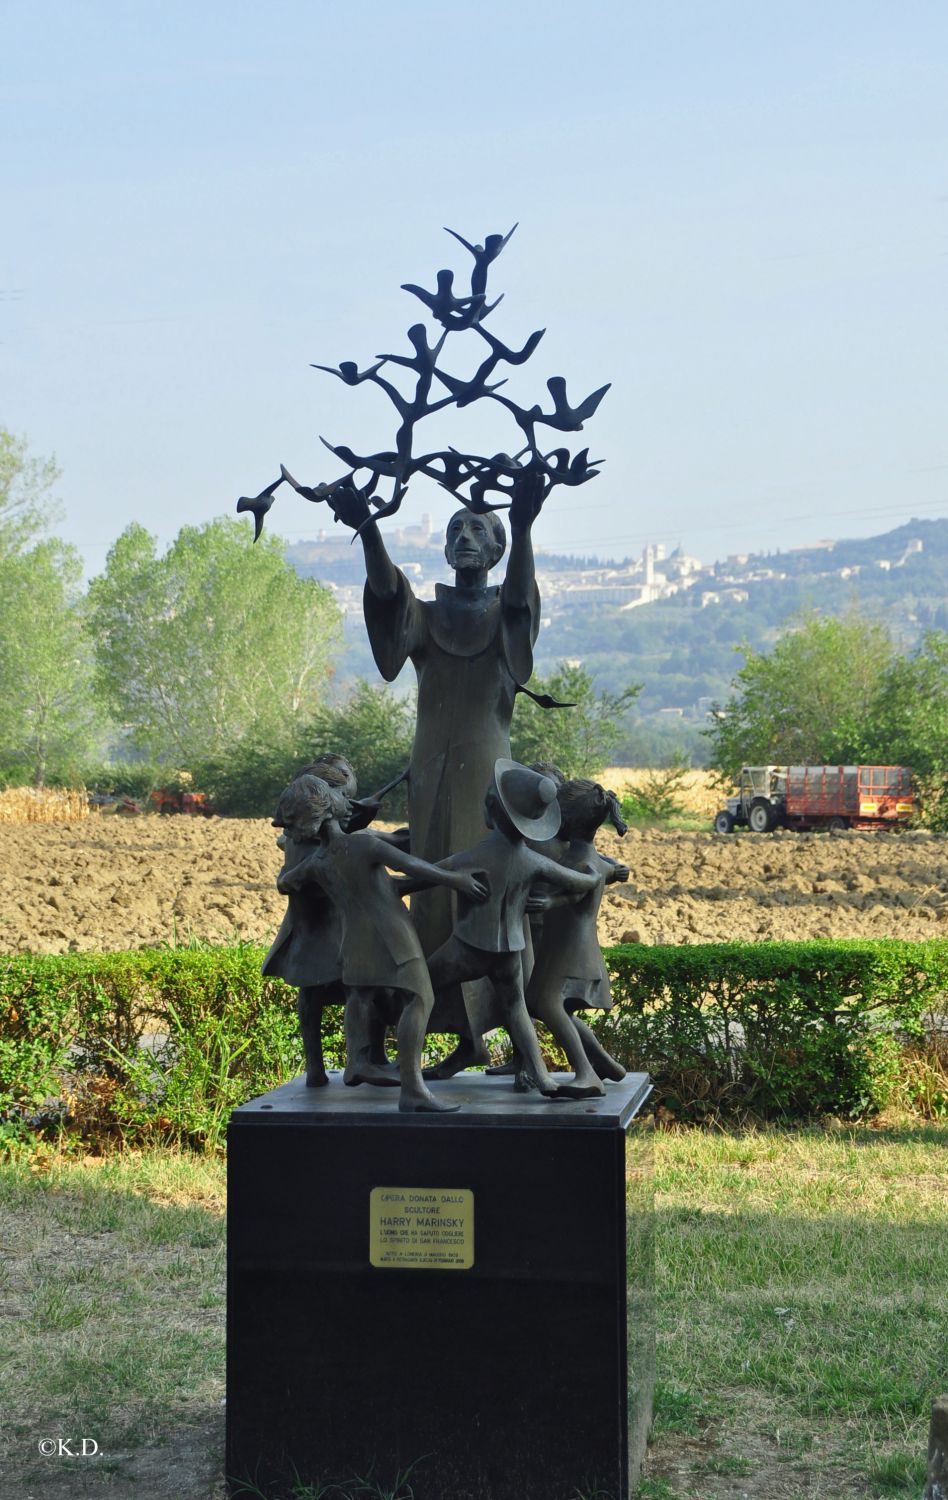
(656, 799)
(248, 781)
(773, 1029)
(135, 779)
(144, 1045)
(372, 728)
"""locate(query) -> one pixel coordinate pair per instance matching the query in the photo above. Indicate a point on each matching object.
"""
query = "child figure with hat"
(488, 937)
(568, 972)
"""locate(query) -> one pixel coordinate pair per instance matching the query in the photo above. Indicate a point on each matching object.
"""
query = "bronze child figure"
(568, 972)
(488, 938)
(306, 951)
(379, 947)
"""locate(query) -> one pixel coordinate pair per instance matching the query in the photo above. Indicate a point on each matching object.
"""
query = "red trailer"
(820, 797)
(848, 796)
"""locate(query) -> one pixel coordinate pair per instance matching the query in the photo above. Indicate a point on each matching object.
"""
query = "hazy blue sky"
(736, 212)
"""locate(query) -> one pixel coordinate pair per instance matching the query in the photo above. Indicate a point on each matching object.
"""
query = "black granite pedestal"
(468, 1293)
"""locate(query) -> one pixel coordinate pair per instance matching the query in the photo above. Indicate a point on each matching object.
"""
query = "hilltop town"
(569, 583)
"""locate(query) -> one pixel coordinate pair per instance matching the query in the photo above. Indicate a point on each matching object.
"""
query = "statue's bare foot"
(424, 1104)
(504, 1070)
(574, 1090)
(467, 1054)
(444, 1069)
(523, 1083)
(316, 1079)
(371, 1073)
(609, 1068)
(547, 1086)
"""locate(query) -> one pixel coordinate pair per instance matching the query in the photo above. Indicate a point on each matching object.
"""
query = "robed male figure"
(471, 647)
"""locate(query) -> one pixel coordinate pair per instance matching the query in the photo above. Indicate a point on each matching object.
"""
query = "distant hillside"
(682, 646)
(673, 624)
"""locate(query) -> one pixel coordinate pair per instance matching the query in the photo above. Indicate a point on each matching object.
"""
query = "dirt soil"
(107, 883)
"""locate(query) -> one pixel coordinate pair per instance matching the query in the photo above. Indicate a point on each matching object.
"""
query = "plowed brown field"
(105, 883)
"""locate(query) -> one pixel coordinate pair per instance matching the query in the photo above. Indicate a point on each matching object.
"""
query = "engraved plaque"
(423, 1228)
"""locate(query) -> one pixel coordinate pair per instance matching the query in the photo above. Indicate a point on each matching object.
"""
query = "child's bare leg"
(357, 1023)
(416, 1097)
(604, 1065)
(586, 1083)
(453, 963)
(507, 975)
(309, 1008)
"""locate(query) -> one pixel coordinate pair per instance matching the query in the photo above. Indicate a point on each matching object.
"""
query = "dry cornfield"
(27, 804)
(697, 794)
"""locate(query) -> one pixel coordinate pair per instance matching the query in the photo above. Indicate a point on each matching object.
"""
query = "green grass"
(802, 1280)
(802, 1309)
(110, 1269)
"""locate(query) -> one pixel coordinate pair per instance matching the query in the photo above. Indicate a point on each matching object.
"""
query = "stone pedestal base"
(469, 1294)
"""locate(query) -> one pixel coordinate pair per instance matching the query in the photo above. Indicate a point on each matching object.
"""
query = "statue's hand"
(526, 501)
(470, 886)
(536, 904)
(350, 506)
(362, 812)
(619, 872)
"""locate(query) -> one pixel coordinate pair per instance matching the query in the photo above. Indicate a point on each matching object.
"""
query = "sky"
(736, 213)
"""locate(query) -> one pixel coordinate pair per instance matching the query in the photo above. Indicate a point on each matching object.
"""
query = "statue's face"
(471, 542)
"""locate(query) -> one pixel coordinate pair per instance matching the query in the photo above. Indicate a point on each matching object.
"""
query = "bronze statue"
(472, 650)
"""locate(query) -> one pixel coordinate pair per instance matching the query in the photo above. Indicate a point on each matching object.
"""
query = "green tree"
(810, 699)
(215, 643)
(909, 722)
(26, 506)
(48, 720)
(372, 728)
(579, 740)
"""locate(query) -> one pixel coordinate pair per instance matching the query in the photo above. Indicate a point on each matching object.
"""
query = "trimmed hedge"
(773, 1029)
(163, 1044)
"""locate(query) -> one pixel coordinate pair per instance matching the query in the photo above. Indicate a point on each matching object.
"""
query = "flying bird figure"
(454, 313)
(567, 418)
(562, 469)
(466, 391)
(328, 491)
(511, 356)
(381, 464)
(349, 371)
(425, 354)
(483, 256)
(258, 505)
